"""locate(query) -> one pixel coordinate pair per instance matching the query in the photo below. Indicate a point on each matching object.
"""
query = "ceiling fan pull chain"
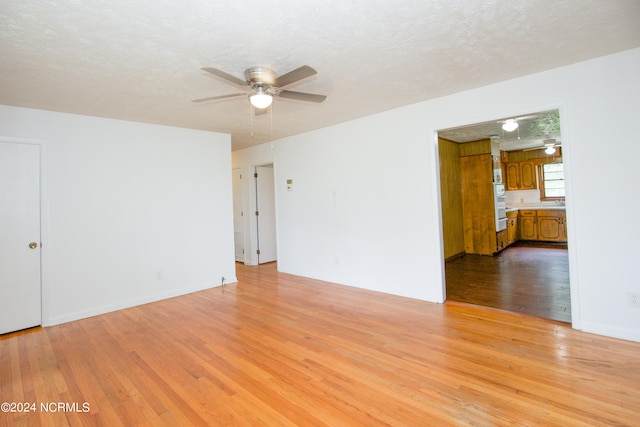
(271, 124)
(251, 108)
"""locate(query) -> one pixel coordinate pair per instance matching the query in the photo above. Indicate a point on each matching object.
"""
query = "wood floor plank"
(524, 278)
(277, 349)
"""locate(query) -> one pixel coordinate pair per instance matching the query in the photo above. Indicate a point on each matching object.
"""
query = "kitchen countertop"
(536, 207)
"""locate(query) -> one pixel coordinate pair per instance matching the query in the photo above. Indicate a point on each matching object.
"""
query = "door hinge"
(258, 251)
(257, 213)
(255, 175)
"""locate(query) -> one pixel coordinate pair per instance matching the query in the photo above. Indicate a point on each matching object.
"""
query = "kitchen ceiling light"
(260, 99)
(510, 125)
(550, 149)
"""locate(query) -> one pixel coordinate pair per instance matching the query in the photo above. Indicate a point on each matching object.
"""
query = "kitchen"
(503, 215)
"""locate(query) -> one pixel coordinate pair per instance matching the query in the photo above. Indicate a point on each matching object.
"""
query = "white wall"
(365, 206)
(523, 198)
(354, 216)
(127, 203)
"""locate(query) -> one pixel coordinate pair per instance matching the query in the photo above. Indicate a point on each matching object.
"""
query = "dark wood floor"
(281, 350)
(525, 278)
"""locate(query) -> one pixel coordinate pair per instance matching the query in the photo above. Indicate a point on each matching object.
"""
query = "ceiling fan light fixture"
(259, 98)
(550, 149)
(510, 125)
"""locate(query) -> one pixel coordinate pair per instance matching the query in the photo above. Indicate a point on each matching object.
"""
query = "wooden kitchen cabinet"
(512, 229)
(552, 225)
(528, 226)
(479, 224)
(508, 236)
(521, 176)
(548, 225)
(501, 240)
(512, 176)
(528, 176)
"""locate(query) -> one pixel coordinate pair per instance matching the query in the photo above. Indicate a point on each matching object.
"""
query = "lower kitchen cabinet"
(549, 225)
(528, 225)
(501, 240)
(552, 226)
(512, 227)
(508, 236)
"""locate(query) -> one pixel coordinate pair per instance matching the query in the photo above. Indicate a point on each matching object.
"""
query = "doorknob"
(33, 245)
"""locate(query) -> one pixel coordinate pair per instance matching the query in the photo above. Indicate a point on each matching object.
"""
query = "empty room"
(245, 213)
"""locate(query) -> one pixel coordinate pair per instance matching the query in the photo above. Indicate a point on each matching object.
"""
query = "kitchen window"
(552, 181)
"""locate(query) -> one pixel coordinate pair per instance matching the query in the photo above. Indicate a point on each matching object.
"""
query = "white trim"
(574, 288)
(83, 314)
(437, 203)
(243, 213)
(628, 334)
(252, 259)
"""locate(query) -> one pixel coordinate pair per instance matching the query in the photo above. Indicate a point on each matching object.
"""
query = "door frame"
(432, 132)
(44, 224)
(242, 213)
(252, 244)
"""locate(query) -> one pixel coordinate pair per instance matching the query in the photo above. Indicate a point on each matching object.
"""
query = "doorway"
(20, 228)
(526, 273)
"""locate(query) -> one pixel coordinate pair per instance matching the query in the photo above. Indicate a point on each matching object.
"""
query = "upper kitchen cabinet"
(521, 168)
(521, 175)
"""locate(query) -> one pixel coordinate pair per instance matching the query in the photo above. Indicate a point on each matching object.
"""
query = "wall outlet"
(159, 275)
(633, 299)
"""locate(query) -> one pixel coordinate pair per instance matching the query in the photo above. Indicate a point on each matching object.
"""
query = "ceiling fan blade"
(545, 143)
(552, 141)
(226, 76)
(213, 98)
(301, 96)
(295, 75)
(530, 116)
(537, 147)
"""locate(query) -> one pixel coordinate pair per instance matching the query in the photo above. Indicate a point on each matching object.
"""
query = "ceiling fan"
(262, 85)
(509, 125)
(549, 146)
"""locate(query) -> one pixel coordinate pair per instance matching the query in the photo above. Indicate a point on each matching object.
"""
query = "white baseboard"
(622, 333)
(70, 317)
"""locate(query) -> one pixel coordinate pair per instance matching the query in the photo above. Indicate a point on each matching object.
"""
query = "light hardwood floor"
(276, 349)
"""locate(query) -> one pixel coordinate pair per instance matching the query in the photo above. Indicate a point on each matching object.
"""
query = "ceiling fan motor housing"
(260, 76)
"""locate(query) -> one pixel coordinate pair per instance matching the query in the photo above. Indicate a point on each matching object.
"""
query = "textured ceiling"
(532, 131)
(141, 60)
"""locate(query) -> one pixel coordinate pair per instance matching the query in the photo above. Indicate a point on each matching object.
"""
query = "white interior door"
(238, 214)
(20, 292)
(266, 218)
